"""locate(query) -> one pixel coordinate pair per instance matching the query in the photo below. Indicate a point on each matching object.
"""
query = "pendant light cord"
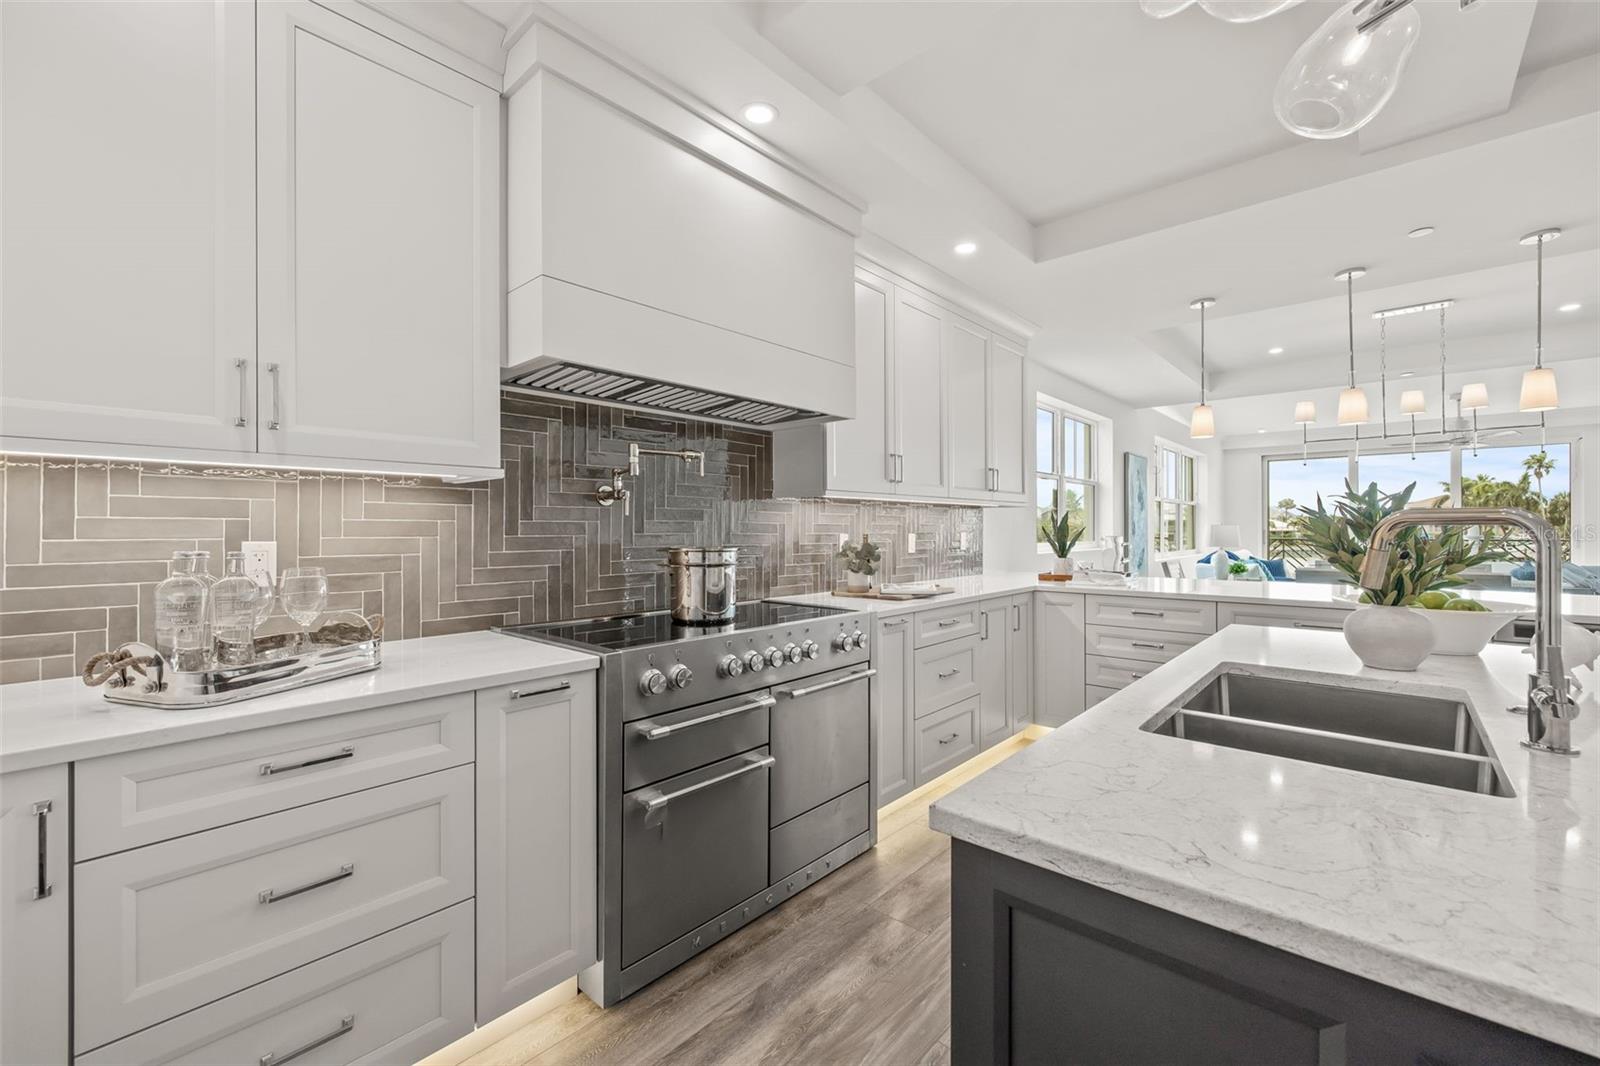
(1350, 314)
(1203, 352)
(1538, 309)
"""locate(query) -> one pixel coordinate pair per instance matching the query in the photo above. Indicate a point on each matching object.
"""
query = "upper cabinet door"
(861, 449)
(380, 220)
(967, 354)
(127, 311)
(1010, 419)
(919, 376)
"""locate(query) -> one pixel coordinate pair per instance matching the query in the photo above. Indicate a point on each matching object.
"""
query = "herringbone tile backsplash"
(85, 542)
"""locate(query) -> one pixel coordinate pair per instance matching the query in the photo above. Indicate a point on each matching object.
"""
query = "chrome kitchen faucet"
(609, 494)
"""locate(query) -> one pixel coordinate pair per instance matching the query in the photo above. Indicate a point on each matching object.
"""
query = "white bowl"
(1465, 632)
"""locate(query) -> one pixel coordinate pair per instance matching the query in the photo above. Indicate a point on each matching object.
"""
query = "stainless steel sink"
(1419, 738)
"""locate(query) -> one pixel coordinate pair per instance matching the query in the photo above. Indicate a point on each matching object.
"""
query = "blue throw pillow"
(1275, 569)
(1523, 572)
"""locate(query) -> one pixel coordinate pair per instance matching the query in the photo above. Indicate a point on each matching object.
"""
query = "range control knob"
(680, 676)
(842, 642)
(754, 661)
(859, 639)
(811, 650)
(774, 657)
(792, 652)
(652, 683)
(730, 666)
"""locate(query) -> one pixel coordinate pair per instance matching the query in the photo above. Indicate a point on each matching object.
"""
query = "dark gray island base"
(1051, 970)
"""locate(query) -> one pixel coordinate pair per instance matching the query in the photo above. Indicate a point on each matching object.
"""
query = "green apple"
(1433, 601)
(1464, 605)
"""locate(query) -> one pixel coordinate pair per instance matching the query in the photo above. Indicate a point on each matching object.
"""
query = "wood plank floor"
(854, 970)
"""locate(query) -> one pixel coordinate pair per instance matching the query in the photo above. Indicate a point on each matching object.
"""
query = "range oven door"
(692, 846)
(820, 738)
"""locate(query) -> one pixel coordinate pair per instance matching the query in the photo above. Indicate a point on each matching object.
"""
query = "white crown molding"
(875, 252)
(446, 31)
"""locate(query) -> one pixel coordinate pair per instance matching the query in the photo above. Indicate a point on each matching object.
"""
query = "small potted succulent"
(1238, 571)
(860, 564)
(1055, 529)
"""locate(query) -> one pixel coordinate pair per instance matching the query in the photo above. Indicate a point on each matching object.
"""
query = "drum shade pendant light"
(1352, 401)
(1345, 73)
(1539, 384)
(1202, 423)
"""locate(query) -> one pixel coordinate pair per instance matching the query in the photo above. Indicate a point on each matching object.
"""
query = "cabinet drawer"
(1167, 613)
(1238, 614)
(140, 797)
(945, 674)
(949, 623)
(393, 998)
(946, 739)
(1142, 644)
(1093, 694)
(671, 744)
(167, 928)
(1105, 672)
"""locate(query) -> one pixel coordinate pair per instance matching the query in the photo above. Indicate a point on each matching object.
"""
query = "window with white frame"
(1067, 477)
(1176, 497)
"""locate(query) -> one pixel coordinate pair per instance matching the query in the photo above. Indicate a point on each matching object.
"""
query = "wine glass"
(303, 591)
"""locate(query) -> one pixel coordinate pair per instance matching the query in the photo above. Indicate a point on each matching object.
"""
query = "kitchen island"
(1138, 894)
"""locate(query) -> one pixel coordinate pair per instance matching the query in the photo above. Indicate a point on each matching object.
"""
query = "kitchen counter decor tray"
(136, 673)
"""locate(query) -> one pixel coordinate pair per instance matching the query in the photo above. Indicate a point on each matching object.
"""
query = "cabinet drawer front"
(675, 743)
(934, 627)
(393, 998)
(1167, 613)
(1093, 694)
(946, 739)
(164, 929)
(946, 673)
(1105, 672)
(141, 797)
(1234, 614)
(1145, 645)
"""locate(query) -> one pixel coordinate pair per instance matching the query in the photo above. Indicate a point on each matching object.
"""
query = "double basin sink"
(1430, 739)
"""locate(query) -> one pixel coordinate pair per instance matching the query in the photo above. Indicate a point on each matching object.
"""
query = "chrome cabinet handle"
(272, 895)
(899, 467)
(272, 1058)
(1315, 625)
(654, 801)
(948, 739)
(894, 622)
(522, 694)
(948, 622)
(1017, 610)
(1147, 644)
(667, 730)
(240, 365)
(859, 675)
(949, 673)
(277, 397)
(1148, 614)
(41, 815)
(985, 626)
(1135, 676)
(347, 752)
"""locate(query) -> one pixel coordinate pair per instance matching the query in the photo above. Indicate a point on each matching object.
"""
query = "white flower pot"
(857, 582)
(1389, 638)
(1062, 566)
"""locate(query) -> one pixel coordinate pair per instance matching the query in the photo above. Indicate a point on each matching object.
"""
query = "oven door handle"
(667, 730)
(860, 675)
(654, 801)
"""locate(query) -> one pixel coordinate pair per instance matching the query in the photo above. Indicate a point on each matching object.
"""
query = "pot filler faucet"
(1551, 707)
(610, 493)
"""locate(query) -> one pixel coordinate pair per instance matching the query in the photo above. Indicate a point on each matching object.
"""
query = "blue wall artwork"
(1136, 510)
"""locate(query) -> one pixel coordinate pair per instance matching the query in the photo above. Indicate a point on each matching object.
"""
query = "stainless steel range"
(735, 770)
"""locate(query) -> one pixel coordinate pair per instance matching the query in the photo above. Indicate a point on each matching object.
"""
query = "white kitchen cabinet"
(1058, 656)
(537, 856)
(35, 916)
(1019, 661)
(861, 450)
(128, 177)
(1010, 420)
(894, 659)
(994, 672)
(967, 353)
(1279, 616)
(380, 226)
(920, 423)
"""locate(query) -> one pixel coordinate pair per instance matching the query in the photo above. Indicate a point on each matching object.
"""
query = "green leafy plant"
(1238, 568)
(1055, 529)
(1421, 560)
(861, 558)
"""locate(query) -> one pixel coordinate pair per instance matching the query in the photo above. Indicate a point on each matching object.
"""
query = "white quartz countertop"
(1487, 904)
(48, 722)
(1278, 593)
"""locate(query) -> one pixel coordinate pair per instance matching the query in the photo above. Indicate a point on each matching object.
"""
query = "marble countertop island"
(1487, 904)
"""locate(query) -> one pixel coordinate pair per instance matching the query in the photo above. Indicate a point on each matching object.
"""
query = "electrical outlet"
(261, 556)
(911, 543)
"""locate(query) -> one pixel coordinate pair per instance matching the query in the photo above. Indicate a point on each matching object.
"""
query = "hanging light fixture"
(1160, 9)
(1539, 384)
(1245, 10)
(1352, 401)
(1345, 73)
(1202, 424)
(1305, 413)
(1413, 403)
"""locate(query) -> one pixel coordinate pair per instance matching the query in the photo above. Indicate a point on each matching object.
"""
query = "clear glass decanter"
(181, 614)
(234, 600)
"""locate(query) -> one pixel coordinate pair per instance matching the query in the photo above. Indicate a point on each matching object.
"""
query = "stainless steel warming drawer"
(819, 737)
(817, 832)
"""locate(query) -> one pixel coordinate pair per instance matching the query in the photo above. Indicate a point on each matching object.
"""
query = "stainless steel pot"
(702, 584)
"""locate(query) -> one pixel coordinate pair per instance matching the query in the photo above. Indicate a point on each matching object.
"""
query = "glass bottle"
(234, 600)
(181, 615)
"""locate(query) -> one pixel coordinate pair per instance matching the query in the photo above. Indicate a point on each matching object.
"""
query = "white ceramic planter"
(857, 582)
(1389, 638)
(1062, 566)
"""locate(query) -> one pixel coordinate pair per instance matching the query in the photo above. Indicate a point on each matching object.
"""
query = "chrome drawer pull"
(1017, 624)
(1315, 625)
(272, 895)
(1147, 644)
(1148, 614)
(522, 694)
(894, 622)
(667, 730)
(272, 1058)
(1135, 676)
(949, 673)
(654, 801)
(948, 622)
(276, 422)
(948, 739)
(239, 365)
(346, 752)
(41, 814)
(859, 675)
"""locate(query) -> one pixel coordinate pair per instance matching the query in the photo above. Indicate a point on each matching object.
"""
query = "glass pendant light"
(1305, 413)
(1352, 401)
(1539, 384)
(1245, 10)
(1160, 9)
(1345, 73)
(1202, 424)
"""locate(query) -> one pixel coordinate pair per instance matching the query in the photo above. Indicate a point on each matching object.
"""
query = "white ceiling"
(1111, 167)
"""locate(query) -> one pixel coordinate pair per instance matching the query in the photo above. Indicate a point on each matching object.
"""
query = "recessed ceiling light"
(1569, 307)
(759, 114)
(966, 248)
(1274, 351)
(1421, 231)
(1260, 431)
(1408, 373)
